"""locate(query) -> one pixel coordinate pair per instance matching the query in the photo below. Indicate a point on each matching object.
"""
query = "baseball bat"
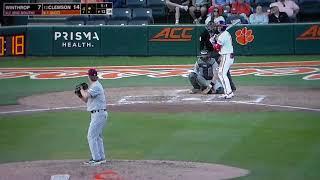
(233, 24)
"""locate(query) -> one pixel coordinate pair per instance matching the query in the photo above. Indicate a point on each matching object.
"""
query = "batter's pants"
(224, 66)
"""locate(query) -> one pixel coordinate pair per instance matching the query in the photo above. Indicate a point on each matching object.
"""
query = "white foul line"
(45, 109)
(276, 105)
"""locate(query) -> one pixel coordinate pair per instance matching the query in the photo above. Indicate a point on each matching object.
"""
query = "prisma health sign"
(77, 40)
(12, 45)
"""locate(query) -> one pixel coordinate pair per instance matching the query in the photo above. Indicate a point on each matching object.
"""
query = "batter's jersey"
(225, 40)
(97, 99)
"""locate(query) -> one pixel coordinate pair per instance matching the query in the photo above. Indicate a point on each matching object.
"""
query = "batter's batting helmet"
(222, 25)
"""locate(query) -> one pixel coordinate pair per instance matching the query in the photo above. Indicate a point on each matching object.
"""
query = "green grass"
(120, 60)
(272, 145)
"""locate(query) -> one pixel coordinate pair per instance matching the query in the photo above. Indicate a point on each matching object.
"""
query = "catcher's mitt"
(78, 88)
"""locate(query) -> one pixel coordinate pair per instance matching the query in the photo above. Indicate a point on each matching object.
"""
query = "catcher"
(204, 76)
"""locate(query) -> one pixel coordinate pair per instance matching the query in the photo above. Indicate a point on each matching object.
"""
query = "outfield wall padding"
(164, 40)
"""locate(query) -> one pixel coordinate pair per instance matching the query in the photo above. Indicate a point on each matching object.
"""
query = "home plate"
(60, 177)
(191, 99)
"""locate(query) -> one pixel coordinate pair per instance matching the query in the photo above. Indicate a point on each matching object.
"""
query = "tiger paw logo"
(244, 36)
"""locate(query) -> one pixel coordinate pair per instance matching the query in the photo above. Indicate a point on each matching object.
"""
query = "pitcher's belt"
(99, 110)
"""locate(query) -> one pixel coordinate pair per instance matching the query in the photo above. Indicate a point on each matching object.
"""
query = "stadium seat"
(77, 20)
(138, 22)
(158, 7)
(309, 6)
(97, 20)
(136, 3)
(264, 3)
(142, 14)
(117, 22)
(121, 14)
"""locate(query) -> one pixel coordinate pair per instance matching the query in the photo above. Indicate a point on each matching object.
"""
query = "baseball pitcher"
(95, 98)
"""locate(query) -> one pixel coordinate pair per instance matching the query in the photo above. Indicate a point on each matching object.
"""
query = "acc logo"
(244, 36)
(313, 33)
(173, 34)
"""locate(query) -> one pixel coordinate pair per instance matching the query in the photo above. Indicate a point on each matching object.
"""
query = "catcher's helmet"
(204, 55)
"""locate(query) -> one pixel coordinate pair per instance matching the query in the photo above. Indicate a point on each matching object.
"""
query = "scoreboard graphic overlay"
(56, 9)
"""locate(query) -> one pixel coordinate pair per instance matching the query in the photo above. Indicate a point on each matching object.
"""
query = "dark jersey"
(205, 43)
(283, 18)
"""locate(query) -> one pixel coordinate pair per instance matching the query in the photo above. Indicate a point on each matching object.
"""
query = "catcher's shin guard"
(193, 80)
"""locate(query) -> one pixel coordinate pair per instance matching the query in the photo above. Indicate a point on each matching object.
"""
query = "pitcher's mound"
(120, 170)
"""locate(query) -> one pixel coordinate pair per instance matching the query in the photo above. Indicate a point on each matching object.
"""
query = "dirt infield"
(116, 170)
(177, 99)
(156, 99)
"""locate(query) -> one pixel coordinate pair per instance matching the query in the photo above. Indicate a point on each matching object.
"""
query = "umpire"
(205, 44)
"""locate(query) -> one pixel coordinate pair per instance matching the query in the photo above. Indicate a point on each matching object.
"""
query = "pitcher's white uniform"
(224, 40)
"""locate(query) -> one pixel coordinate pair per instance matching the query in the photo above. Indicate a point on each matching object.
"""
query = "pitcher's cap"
(92, 72)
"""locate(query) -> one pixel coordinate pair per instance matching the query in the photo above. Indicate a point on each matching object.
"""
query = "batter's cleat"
(194, 91)
(206, 90)
(229, 96)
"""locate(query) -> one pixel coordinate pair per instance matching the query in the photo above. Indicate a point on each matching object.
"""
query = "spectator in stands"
(242, 8)
(226, 11)
(214, 16)
(176, 6)
(276, 16)
(289, 7)
(259, 17)
(221, 3)
(198, 10)
(232, 16)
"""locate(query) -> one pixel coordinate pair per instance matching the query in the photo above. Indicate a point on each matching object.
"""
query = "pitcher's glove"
(84, 86)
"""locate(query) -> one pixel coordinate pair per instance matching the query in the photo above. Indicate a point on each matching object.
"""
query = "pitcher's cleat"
(94, 162)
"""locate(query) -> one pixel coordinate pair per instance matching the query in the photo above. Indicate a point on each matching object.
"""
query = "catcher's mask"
(93, 74)
(204, 55)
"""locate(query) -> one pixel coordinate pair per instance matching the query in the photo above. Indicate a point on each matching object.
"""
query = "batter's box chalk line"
(60, 177)
(213, 98)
